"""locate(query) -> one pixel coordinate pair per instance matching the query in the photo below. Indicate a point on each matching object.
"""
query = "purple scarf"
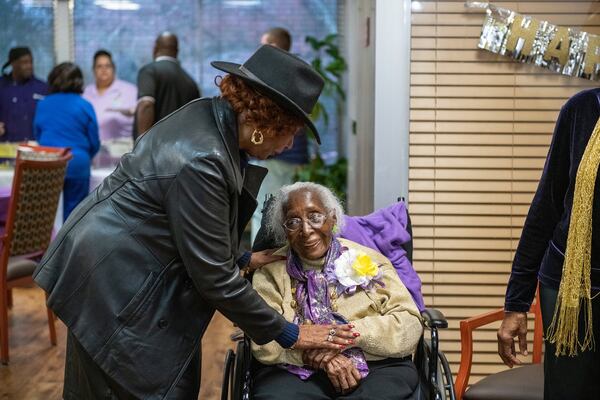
(314, 304)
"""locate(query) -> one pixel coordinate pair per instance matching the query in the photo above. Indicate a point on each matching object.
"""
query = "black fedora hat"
(282, 77)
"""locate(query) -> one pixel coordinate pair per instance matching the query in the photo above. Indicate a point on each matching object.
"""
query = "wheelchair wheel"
(241, 372)
(445, 382)
(444, 386)
(227, 378)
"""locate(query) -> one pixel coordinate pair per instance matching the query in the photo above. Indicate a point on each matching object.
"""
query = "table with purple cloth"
(4, 200)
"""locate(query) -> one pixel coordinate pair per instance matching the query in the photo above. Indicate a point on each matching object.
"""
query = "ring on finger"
(332, 332)
(330, 338)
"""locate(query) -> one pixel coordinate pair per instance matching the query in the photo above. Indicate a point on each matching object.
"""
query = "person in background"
(114, 102)
(163, 85)
(65, 119)
(20, 91)
(283, 166)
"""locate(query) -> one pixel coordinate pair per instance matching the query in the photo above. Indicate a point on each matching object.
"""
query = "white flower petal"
(344, 272)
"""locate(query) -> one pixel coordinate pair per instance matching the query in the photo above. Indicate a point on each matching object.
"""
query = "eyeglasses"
(315, 220)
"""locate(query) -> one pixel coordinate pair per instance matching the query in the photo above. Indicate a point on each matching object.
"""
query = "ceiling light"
(117, 5)
(37, 3)
(242, 3)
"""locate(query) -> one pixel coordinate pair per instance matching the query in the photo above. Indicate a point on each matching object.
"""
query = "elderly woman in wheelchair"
(327, 280)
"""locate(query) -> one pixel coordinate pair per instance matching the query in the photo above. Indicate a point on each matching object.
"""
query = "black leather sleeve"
(198, 206)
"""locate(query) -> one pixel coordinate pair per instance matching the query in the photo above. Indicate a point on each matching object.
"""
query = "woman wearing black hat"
(140, 267)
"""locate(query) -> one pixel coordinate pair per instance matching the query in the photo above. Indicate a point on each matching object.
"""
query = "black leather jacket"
(141, 264)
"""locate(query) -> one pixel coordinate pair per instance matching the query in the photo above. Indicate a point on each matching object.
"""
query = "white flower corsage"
(355, 268)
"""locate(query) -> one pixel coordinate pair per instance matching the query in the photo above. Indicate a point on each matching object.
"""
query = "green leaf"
(330, 38)
(333, 176)
(333, 52)
(340, 91)
(313, 42)
(316, 63)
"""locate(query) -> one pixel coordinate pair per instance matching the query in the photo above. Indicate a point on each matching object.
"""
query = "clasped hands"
(332, 340)
(322, 345)
(340, 370)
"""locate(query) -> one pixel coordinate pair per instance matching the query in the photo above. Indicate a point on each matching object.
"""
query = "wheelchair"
(435, 377)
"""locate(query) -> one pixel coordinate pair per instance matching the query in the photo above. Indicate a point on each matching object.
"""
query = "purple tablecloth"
(4, 200)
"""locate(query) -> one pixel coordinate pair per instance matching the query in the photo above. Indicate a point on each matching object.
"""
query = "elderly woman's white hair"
(276, 214)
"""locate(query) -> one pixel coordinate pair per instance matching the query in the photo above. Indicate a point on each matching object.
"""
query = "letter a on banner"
(525, 33)
(558, 46)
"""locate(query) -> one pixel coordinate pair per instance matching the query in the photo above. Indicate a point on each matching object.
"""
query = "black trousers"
(84, 380)
(395, 379)
(570, 377)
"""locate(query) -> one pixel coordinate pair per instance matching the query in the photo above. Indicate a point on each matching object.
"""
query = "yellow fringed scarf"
(575, 284)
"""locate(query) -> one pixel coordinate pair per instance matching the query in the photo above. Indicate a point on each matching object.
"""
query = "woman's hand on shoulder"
(343, 374)
(261, 258)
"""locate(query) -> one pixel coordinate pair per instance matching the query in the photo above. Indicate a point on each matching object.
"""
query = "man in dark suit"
(163, 85)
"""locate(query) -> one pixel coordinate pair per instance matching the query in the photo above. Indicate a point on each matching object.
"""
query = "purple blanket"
(385, 230)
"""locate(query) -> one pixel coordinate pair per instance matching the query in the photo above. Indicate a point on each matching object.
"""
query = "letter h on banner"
(591, 55)
(523, 34)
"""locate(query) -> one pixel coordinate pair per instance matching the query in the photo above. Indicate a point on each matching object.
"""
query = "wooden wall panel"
(479, 132)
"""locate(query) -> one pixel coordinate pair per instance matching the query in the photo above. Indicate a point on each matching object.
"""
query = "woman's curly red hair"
(260, 111)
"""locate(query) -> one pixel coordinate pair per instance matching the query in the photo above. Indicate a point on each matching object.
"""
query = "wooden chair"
(518, 383)
(36, 188)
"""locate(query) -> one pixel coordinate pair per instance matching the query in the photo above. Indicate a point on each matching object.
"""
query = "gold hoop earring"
(257, 140)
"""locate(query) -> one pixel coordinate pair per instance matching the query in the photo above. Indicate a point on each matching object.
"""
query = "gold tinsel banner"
(564, 50)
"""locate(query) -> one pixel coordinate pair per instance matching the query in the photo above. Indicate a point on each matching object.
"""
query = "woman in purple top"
(65, 119)
(114, 102)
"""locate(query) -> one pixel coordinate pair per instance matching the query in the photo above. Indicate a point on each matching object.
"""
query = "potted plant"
(330, 64)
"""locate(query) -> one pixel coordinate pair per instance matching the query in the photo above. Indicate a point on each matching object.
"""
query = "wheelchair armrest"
(434, 318)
